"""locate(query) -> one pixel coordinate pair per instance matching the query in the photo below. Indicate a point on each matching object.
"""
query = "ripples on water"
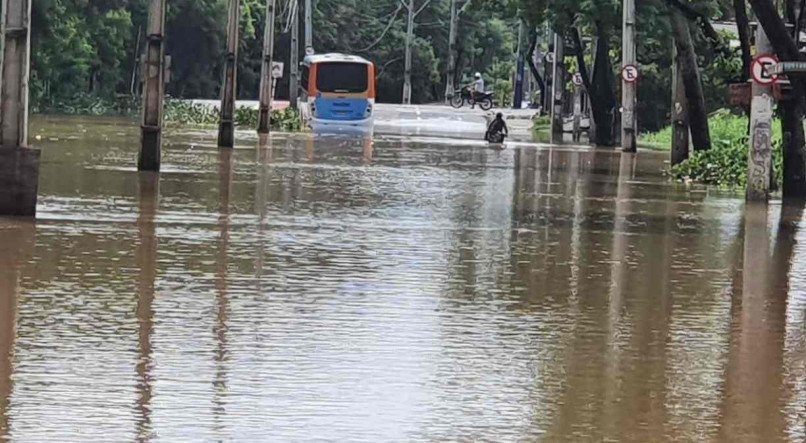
(407, 290)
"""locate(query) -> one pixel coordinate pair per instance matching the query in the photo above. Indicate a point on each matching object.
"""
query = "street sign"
(549, 57)
(578, 79)
(630, 74)
(788, 68)
(760, 69)
(277, 69)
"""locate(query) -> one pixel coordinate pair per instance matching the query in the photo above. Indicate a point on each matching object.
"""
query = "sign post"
(762, 70)
(629, 73)
(759, 160)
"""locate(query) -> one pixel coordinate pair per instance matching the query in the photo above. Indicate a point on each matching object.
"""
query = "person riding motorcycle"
(497, 131)
(477, 89)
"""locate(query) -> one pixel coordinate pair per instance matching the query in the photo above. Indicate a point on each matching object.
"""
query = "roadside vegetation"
(194, 114)
(725, 164)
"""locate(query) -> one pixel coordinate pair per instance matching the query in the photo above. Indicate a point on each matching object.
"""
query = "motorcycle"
(465, 95)
(496, 138)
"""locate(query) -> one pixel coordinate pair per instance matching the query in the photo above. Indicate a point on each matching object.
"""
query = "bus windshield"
(348, 78)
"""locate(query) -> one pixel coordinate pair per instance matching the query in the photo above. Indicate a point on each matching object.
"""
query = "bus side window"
(303, 85)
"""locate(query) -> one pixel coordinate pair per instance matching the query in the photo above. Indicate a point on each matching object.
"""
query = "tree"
(687, 62)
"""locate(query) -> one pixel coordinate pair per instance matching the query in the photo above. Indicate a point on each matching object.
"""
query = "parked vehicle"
(466, 96)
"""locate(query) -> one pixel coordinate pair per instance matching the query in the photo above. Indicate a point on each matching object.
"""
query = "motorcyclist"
(497, 130)
(477, 88)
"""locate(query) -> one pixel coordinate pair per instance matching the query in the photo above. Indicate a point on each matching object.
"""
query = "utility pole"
(629, 94)
(226, 128)
(517, 99)
(266, 77)
(293, 83)
(548, 70)
(19, 165)
(558, 88)
(759, 162)
(407, 69)
(308, 26)
(680, 130)
(449, 86)
(154, 93)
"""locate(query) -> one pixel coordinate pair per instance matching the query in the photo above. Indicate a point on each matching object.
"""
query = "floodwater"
(402, 290)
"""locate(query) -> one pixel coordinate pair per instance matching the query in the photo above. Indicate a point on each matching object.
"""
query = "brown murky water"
(410, 290)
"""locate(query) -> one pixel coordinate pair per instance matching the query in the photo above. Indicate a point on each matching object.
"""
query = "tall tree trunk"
(783, 44)
(599, 86)
(794, 155)
(743, 24)
(532, 67)
(687, 61)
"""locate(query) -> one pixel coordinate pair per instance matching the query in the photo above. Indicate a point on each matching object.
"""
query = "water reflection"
(225, 174)
(414, 290)
(148, 204)
(756, 364)
(16, 246)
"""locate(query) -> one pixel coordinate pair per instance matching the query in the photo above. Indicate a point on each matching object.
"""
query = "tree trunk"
(743, 23)
(794, 155)
(600, 87)
(532, 67)
(783, 44)
(407, 67)
(449, 83)
(687, 61)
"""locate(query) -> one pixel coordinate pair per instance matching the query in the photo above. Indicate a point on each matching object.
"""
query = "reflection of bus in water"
(338, 92)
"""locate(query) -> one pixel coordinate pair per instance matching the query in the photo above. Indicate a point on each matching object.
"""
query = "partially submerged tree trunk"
(687, 61)
(794, 156)
(600, 86)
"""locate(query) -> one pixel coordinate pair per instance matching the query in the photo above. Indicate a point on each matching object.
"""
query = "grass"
(541, 128)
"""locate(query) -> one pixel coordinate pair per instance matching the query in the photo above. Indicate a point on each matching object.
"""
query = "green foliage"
(83, 104)
(726, 163)
(541, 128)
(184, 112)
(91, 46)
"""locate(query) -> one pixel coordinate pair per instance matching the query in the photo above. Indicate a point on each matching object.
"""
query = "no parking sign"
(630, 73)
(760, 69)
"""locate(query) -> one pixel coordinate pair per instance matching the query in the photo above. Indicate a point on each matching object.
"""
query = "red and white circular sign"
(759, 69)
(630, 73)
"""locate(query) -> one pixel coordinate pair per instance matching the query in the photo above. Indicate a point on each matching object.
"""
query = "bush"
(189, 113)
(726, 163)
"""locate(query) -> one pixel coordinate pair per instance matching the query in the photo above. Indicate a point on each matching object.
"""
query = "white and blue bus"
(338, 92)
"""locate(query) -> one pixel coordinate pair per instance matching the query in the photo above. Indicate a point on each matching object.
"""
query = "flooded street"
(410, 289)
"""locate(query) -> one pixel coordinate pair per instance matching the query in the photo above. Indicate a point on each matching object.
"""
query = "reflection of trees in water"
(221, 285)
(756, 394)
(17, 240)
(634, 287)
(146, 253)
